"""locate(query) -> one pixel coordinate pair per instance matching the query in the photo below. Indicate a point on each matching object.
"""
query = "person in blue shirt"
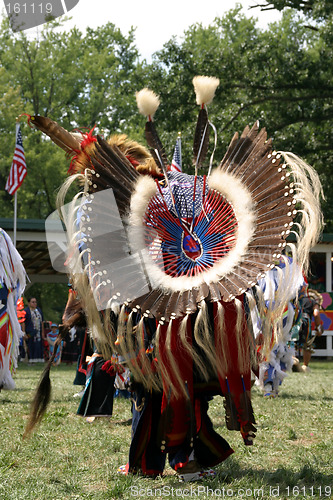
(33, 329)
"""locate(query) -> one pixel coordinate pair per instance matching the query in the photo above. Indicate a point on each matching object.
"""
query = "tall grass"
(69, 458)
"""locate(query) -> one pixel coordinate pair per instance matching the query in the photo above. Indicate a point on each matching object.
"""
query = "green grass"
(68, 458)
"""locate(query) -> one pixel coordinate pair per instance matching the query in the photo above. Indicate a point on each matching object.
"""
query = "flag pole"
(17, 174)
(179, 139)
(15, 217)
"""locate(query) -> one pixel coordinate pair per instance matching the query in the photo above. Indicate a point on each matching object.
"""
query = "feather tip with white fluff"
(205, 87)
(147, 102)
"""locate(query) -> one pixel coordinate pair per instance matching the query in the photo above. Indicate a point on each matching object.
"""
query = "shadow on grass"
(21, 389)
(307, 475)
(28, 401)
(28, 366)
(305, 397)
(231, 477)
(63, 487)
(126, 423)
(23, 402)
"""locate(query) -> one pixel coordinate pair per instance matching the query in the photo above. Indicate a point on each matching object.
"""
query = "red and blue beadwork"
(188, 227)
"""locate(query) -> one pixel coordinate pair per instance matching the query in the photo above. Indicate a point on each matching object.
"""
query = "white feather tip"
(147, 102)
(204, 87)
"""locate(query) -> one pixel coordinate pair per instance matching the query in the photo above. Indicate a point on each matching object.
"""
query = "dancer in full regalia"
(163, 262)
(12, 284)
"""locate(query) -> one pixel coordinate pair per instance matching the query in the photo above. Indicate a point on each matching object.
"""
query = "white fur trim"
(147, 102)
(235, 193)
(205, 87)
(145, 189)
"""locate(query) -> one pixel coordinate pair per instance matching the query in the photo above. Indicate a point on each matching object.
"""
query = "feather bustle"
(275, 204)
(110, 175)
(246, 151)
(231, 288)
(225, 293)
(64, 139)
(203, 292)
(271, 222)
(172, 305)
(255, 170)
(214, 292)
(154, 143)
(147, 301)
(257, 166)
(117, 159)
(230, 151)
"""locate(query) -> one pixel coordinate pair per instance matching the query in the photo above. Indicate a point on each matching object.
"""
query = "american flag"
(18, 169)
(176, 164)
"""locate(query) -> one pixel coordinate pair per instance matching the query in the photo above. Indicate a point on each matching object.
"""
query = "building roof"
(32, 245)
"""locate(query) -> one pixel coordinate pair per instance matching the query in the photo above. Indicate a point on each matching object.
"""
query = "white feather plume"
(147, 102)
(205, 87)
(307, 194)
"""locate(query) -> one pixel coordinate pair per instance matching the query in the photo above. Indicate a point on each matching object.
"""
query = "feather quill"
(204, 87)
(61, 137)
(155, 144)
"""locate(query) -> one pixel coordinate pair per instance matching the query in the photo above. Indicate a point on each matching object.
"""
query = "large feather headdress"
(179, 241)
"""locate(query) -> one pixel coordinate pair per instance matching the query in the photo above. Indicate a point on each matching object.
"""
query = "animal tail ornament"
(73, 315)
(42, 395)
(198, 242)
(204, 87)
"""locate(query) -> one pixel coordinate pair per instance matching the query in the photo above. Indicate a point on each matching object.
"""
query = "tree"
(316, 9)
(51, 298)
(11, 106)
(281, 76)
(78, 81)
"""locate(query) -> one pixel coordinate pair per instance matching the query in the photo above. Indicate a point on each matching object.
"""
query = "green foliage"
(316, 9)
(281, 76)
(51, 298)
(78, 81)
(11, 106)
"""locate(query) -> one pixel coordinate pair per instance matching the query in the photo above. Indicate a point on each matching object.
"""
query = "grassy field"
(68, 458)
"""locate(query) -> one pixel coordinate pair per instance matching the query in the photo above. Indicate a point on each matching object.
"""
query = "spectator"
(33, 328)
(310, 304)
(51, 338)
